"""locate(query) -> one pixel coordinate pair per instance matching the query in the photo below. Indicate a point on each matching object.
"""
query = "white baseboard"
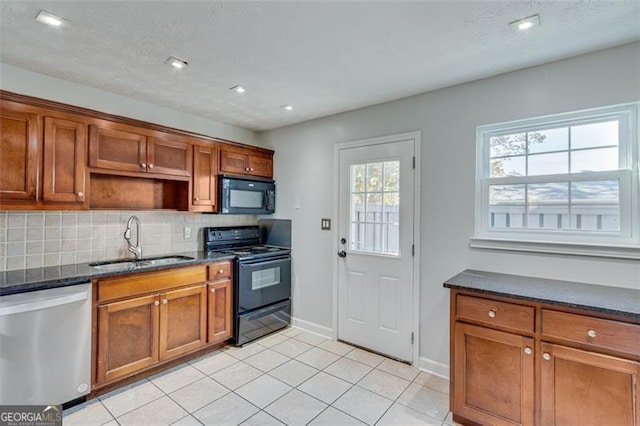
(433, 367)
(312, 327)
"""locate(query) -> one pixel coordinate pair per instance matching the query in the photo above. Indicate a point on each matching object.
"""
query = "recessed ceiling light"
(49, 18)
(177, 63)
(287, 107)
(526, 23)
(238, 89)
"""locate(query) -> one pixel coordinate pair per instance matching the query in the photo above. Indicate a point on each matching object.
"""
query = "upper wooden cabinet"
(205, 170)
(19, 152)
(64, 171)
(241, 161)
(116, 147)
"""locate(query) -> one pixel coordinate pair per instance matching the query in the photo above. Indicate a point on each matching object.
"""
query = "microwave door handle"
(265, 207)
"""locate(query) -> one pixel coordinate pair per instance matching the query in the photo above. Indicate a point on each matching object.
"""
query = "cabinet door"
(115, 149)
(127, 337)
(493, 376)
(65, 145)
(18, 153)
(204, 178)
(233, 162)
(183, 321)
(169, 157)
(587, 388)
(220, 311)
(260, 166)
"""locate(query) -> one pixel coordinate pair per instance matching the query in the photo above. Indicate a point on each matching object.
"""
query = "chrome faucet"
(137, 249)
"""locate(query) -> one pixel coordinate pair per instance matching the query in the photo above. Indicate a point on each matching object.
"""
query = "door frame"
(416, 137)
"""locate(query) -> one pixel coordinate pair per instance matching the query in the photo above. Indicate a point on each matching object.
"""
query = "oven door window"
(265, 278)
(241, 198)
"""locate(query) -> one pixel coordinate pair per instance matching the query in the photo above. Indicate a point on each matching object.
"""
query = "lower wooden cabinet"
(143, 320)
(220, 311)
(587, 388)
(515, 362)
(128, 337)
(183, 321)
(494, 376)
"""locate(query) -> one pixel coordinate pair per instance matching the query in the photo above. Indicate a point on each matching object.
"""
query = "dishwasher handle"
(19, 308)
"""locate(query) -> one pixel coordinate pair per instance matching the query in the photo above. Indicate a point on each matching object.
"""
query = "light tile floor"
(292, 377)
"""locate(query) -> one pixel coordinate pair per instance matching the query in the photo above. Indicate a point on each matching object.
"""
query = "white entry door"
(375, 247)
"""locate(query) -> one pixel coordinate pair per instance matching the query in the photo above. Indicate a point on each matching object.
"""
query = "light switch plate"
(325, 224)
(187, 232)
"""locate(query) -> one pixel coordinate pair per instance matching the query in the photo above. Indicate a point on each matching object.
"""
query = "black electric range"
(261, 280)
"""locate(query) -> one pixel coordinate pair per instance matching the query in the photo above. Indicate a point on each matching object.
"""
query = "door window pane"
(375, 207)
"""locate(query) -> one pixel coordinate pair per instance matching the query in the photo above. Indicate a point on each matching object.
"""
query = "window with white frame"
(569, 178)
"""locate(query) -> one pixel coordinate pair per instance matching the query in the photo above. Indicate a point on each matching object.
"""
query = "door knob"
(343, 241)
(342, 253)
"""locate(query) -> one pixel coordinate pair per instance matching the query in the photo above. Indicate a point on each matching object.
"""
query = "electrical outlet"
(187, 232)
(325, 224)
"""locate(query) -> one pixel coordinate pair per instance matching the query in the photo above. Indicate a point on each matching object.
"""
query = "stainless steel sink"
(124, 265)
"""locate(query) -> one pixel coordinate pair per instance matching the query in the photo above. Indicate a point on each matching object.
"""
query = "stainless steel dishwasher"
(45, 346)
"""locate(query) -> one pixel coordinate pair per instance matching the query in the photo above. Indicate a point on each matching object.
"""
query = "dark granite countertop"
(25, 280)
(612, 300)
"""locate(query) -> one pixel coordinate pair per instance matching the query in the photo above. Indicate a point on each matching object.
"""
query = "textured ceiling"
(322, 57)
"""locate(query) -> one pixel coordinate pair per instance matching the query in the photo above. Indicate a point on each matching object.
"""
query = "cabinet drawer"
(491, 312)
(219, 271)
(141, 283)
(607, 334)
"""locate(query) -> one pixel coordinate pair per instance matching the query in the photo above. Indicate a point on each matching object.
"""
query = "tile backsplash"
(36, 239)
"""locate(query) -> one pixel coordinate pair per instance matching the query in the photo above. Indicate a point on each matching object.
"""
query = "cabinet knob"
(143, 165)
(492, 313)
(196, 199)
(251, 169)
(213, 290)
(156, 303)
(80, 194)
(592, 333)
(164, 301)
(528, 350)
(221, 271)
(246, 169)
(151, 166)
(546, 356)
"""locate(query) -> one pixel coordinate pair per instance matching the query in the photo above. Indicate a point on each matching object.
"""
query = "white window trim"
(625, 244)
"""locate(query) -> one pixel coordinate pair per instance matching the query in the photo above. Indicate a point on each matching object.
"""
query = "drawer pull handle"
(143, 165)
(546, 356)
(221, 271)
(156, 303)
(492, 313)
(528, 350)
(164, 301)
(151, 166)
(592, 333)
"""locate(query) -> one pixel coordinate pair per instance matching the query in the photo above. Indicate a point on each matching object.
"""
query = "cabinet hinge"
(412, 337)
(414, 162)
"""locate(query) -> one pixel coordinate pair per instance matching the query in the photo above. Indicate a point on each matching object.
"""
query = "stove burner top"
(256, 251)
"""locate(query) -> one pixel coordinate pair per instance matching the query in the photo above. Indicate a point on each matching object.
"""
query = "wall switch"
(325, 224)
(187, 232)
(296, 204)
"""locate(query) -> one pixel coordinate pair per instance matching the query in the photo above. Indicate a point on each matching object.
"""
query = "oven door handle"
(261, 263)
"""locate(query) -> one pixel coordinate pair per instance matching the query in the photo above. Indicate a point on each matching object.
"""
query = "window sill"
(574, 249)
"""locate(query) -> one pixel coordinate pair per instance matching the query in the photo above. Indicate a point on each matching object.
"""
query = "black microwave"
(246, 195)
